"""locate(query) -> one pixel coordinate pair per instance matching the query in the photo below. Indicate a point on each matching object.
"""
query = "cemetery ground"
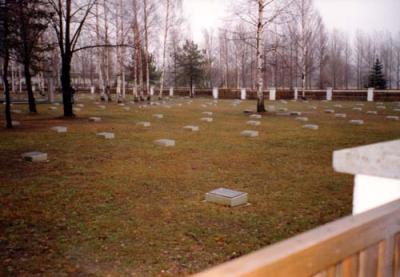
(126, 206)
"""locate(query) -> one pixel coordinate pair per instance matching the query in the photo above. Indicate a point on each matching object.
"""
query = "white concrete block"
(192, 128)
(226, 197)
(95, 119)
(340, 115)
(311, 126)
(206, 119)
(165, 142)
(35, 156)
(356, 122)
(60, 129)
(249, 133)
(215, 93)
(106, 135)
(144, 124)
(253, 123)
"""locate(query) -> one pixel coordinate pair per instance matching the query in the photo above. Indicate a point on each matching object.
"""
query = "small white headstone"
(215, 93)
(16, 111)
(295, 113)
(253, 123)
(35, 156)
(76, 109)
(60, 129)
(357, 109)
(272, 94)
(304, 119)
(338, 106)
(256, 116)
(249, 133)
(329, 94)
(243, 94)
(283, 109)
(372, 112)
(356, 122)
(392, 117)
(144, 124)
(106, 135)
(296, 93)
(208, 113)
(171, 92)
(192, 128)
(158, 116)
(127, 109)
(15, 123)
(381, 107)
(370, 96)
(329, 111)
(102, 107)
(53, 108)
(226, 197)
(206, 119)
(340, 115)
(165, 142)
(311, 126)
(94, 119)
(80, 105)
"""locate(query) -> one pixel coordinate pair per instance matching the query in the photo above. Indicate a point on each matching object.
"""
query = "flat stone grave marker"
(312, 107)
(95, 119)
(60, 129)
(253, 123)
(311, 126)
(329, 111)
(284, 102)
(357, 109)
(208, 113)
(381, 107)
(396, 110)
(16, 111)
(165, 142)
(360, 104)
(192, 128)
(249, 133)
(256, 116)
(304, 119)
(372, 112)
(144, 123)
(356, 122)
(56, 104)
(127, 109)
(53, 108)
(76, 109)
(226, 197)
(106, 135)
(282, 114)
(340, 115)
(80, 105)
(294, 113)
(102, 107)
(392, 117)
(14, 123)
(35, 156)
(338, 106)
(158, 116)
(206, 119)
(283, 109)
(121, 104)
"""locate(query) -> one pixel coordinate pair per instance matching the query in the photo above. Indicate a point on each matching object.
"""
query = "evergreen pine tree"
(376, 78)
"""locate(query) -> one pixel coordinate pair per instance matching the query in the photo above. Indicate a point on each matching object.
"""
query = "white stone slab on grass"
(392, 117)
(340, 115)
(329, 111)
(102, 107)
(94, 119)
(253, 123)
(192, 128)
(207, 113)
(144, 124)
(357, 109)
(127, 109)
(76, 109)
(226, 197)
(80, 105)
(356, 122)
(256, 116)
(35, 156)
(106, 135)
(338, 106)
(53, 108)
(60, 129)
(206, 119)
(165, 142)
(158, 116)
(381, 107)
(372, 112)
(311, 126)
(249, 133)
(16, 111)
(304, 119)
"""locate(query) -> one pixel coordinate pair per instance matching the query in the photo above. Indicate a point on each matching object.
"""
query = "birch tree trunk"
(260, 50)
(146, 45)
(164, 48)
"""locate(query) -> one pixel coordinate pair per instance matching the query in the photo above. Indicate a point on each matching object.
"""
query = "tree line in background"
(131, 45)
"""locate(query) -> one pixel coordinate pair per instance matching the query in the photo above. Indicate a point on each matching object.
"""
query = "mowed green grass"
(129, 207)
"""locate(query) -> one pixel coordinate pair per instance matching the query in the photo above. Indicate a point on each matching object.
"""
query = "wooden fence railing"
(367, 244)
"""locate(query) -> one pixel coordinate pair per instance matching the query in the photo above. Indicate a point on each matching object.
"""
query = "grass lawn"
(129, 207)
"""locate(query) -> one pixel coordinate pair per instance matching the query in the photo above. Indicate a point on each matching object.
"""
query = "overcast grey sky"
(346, 15)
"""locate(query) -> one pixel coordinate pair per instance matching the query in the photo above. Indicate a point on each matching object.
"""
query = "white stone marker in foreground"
(243, 94)
(215, 93)
(329, 111)
(296, 93)
(304, 119)
(106, 135)
(372, 112)
(208, 113)
(253, 123)
(192, 128)
(165, 142)
(144, 123)
(35, 156)
(392, 117)
(357, 109)
(226, 197)
(158, 116)
(356, 122)
(311, 126)
(60, 129)
(206, 119)
(377, 173)
(329, 94)
(171, 92)
(370, 96)
(272, 94)
(94, 119)
(249, 133)
(340, 115)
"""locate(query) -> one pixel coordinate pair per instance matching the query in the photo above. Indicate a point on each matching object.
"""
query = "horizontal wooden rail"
(367, 244)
